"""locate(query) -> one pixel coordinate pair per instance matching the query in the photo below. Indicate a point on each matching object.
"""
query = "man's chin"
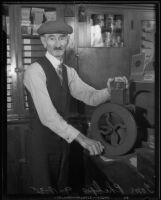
(58, 54)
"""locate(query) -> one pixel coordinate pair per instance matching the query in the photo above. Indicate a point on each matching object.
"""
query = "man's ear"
(68, 37)
(43, 40)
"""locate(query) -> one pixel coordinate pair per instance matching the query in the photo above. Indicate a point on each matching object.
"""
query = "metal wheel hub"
(114, 126)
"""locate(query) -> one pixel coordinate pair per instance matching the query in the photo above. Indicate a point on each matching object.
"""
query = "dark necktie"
(59, 72)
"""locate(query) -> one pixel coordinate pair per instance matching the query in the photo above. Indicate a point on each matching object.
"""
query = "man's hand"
(120, 79)
(94, 147)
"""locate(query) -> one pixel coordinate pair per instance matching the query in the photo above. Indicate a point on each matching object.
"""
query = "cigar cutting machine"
(114, 124)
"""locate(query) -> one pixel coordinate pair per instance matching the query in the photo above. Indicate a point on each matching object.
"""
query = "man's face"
(55, 44)
(101, 20)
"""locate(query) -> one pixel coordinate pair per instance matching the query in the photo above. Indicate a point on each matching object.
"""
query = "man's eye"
(52, 38)
(62, 38)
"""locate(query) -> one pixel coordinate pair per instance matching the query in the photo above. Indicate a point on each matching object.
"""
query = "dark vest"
(59, 94)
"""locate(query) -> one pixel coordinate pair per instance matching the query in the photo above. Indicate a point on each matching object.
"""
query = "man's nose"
(57, 43)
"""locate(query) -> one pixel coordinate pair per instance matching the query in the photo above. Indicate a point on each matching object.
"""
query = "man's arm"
(35, 82)
(84, 92)
(89, 95)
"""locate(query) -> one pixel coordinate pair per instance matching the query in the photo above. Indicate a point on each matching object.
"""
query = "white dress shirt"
(96, 36)
(35, 82)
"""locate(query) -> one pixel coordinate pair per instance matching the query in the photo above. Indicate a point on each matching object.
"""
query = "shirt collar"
(54, 61)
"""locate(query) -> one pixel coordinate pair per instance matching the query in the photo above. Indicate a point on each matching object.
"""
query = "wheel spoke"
(114, 139)
(104, 129)
(121, 132)
(119, 125)
(108, 121)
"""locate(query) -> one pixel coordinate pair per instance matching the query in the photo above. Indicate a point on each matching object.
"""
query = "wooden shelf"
(30, 37)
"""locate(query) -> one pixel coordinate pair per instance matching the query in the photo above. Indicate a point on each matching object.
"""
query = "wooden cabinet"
(24, 46)
(136, 16)
(97, 63)
(10, 62)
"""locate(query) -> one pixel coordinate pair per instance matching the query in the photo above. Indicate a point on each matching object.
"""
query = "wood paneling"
(96, 65)
(70, 55)
(18, 176)
(134, 36)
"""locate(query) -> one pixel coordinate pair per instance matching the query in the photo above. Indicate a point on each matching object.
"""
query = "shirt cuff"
(71, 134)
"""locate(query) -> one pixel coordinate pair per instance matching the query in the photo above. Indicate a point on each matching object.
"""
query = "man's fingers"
(93, 146)
(96, 148)
(122, 78)
(101, 146)
(91, 151)
(126, 81)
(109, 82)
(119, 78)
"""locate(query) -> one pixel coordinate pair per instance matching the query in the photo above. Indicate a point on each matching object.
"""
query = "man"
(48, 99)
(96, 31)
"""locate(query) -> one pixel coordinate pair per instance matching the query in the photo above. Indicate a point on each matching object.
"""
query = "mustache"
(58, 48)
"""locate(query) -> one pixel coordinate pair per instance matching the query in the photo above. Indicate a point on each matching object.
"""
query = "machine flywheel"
(115, 127)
